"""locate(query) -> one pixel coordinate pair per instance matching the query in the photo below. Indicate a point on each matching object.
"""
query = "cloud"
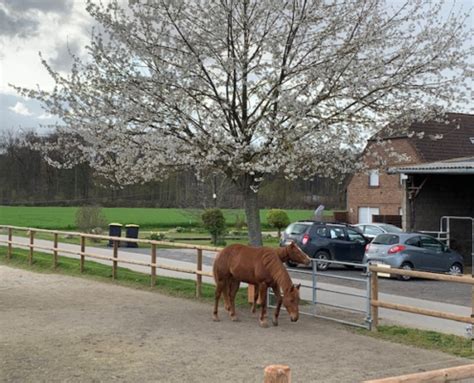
(20, 108)
(63, 60)
(23, 18)
(45, 116)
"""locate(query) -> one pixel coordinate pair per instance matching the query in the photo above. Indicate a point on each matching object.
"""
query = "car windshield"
(386, 239)
(391, 228)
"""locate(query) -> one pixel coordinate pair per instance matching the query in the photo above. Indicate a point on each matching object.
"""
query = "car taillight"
(396, 249)
(367, 247)
(305, 239)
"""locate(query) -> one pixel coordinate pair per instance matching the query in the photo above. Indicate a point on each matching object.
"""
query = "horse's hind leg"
(220, 285)
(227, 295)
(233, 288)
(263, 298)
(255, 299)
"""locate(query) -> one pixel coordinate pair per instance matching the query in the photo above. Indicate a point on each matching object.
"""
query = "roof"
(452, 136)
(464, 165)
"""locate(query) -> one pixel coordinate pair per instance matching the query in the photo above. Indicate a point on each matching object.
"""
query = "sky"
(54, 28)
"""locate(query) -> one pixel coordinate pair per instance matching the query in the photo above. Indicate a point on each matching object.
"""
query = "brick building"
(374, 192)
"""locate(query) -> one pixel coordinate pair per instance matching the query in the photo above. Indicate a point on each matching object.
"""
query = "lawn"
(62, 218)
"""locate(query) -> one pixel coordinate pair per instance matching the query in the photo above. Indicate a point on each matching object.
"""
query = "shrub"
(214, 222)
(157, 236)
(278, 218)
(90, 218)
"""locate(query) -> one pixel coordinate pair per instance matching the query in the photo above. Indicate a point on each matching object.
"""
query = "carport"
(439, 198)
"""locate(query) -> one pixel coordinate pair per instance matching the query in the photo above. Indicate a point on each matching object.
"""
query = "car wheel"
(456, 269)
(322, 265)
(405, 266)
(291, 264)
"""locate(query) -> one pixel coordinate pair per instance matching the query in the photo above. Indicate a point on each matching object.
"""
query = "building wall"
(445, 195)
(388, 196)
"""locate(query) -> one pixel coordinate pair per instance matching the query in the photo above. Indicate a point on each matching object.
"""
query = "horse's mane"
(273, 264)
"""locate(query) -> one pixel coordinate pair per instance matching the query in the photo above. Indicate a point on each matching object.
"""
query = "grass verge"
(182, 288)
(431, 340)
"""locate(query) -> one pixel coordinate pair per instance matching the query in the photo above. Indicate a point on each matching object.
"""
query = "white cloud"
(45, 116)
(20, 108)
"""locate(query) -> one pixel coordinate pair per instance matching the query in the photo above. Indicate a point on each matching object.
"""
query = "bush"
(278, 218)
(90, 218)
(214, 222)
(157, 236)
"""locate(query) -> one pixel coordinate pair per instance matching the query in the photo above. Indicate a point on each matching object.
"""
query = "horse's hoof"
(215, 318)
(235, 319)
(275, 322)
(264, 324)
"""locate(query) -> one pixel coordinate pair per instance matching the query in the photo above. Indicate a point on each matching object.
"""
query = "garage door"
(365, 214)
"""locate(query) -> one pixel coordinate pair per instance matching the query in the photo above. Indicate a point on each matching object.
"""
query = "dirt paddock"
(55, 328)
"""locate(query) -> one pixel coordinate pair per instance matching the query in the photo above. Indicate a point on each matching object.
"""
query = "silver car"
(371, 230)
(413, 251)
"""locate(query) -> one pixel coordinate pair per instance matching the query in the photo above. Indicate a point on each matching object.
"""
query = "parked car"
(371, 230)
(330, 241)
(413, 251)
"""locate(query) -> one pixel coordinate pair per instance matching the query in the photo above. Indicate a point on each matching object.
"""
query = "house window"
(374, 178)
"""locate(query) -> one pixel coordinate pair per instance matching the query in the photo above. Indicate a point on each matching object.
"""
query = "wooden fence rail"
(376, 303)
(115, 260)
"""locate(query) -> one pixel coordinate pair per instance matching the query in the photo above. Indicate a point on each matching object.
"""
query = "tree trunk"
(252, 212)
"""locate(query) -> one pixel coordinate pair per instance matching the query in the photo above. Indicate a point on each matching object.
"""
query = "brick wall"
(388, 196)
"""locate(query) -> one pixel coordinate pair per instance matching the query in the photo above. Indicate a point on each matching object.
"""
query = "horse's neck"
(278, 272)
(282, 254)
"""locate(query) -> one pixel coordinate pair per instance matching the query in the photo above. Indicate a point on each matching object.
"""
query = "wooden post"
(153, 262)
(472, 317)
(199, 276)
(374, 292)
(277, 373)
(114, 263)
(10, 239)
(55, 252)
(32, 239)
(83, 250)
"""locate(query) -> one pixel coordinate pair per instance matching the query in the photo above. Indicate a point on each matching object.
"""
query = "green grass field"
(62, 218)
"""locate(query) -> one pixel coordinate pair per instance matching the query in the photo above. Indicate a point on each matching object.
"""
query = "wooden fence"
(82, 253)
(376, 303)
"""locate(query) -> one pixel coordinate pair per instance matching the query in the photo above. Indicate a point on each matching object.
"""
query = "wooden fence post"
(277, 373)
(10, 239)
(83, 250)
(55, 251)
(153, 263)
(114, 263)
(32, 239)
(374, 292)
(198, 275)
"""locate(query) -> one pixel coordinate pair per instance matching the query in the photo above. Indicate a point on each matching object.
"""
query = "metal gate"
(333, 301)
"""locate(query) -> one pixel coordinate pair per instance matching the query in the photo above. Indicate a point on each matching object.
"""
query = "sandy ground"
(55, 328)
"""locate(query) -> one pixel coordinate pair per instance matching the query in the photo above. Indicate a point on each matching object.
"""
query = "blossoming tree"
(252, 87)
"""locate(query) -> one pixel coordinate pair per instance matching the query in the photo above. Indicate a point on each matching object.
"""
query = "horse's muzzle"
(294, 319)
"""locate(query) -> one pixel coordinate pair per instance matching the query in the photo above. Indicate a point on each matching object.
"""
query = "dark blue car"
(329, 241)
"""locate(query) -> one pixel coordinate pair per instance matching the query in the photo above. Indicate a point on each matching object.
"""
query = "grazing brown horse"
(259, 266)
(293, 253)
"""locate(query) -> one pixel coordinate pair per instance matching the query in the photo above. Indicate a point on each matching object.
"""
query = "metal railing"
(321, 292)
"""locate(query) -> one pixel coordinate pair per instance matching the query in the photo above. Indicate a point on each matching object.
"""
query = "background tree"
(254, 87)
(278, 218)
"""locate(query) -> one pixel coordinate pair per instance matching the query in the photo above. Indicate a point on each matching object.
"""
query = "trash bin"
(115, 230)
(132, 232)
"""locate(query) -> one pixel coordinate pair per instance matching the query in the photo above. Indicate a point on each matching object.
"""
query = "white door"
(365, 214)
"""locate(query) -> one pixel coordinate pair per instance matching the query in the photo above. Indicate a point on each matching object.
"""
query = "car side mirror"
(445, 249)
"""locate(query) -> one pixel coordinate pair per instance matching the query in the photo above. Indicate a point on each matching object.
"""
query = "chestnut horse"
(259, 266)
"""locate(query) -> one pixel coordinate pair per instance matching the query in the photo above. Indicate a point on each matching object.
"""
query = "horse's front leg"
(233, 288)
(255, 299)
(279, 300)
(263, 299)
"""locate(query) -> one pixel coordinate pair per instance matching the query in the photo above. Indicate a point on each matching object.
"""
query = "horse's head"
(291, 300)
(297, 255)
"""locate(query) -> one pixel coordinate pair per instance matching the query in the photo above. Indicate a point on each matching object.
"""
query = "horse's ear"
(298, 286)
(292, 244)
